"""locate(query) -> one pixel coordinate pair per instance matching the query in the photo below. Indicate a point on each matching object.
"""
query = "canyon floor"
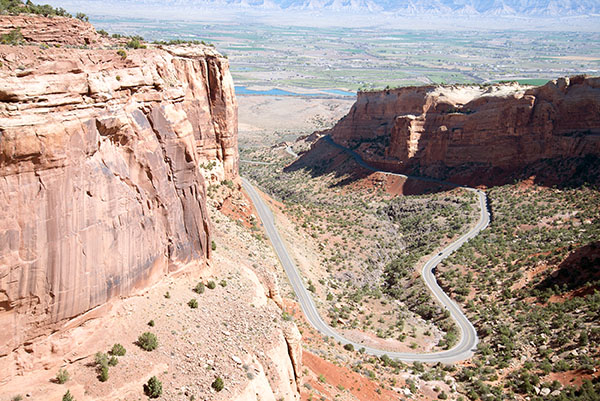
(539, 280)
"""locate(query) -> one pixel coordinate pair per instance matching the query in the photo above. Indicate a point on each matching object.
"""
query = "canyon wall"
(103, 163)
(431, 130)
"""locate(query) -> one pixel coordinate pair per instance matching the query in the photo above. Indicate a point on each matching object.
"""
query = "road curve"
(468, 339)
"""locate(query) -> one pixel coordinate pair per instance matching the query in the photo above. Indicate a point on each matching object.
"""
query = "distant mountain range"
(416, 7)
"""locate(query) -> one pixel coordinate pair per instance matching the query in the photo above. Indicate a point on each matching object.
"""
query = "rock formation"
(494, 129)
(50, 30)
(103, 161)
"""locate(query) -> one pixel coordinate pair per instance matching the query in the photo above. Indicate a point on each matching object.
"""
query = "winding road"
(468, 339)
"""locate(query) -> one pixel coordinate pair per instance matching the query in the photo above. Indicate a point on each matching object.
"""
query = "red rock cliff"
(100, 180)
(504, 127)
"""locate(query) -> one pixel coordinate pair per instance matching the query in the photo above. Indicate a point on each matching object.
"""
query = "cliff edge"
(484, 131)
(101, 177)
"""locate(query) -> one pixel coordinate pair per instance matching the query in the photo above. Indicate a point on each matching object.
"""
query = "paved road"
(468, 339)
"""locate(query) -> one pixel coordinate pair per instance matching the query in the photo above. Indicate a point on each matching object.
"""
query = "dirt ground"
(268, 120)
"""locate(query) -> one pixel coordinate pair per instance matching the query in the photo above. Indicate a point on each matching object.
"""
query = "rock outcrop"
(493, 129)
(51, 30)
(103, 161)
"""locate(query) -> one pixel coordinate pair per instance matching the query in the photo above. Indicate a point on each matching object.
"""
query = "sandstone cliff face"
(101, 179)
(430, 129)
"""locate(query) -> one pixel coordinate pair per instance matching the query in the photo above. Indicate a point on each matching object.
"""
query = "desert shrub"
(122, 53)
(199, 288)
(151, 323)
(211, 284)
(349, 347)
(193, 303)
(223, 283)
(82, 17)
(167, 295)
(136, 43)
(15, 7)
(62, 376)
(118, 350)
(66, 397)
(147, 341)
(218, 384)
(113, 361)
(14, 37)
(101, 359)
(102, 32)
(213, 245)
(103, 376)
(153, 388)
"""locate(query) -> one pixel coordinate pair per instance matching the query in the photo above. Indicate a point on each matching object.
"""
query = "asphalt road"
(468, 339)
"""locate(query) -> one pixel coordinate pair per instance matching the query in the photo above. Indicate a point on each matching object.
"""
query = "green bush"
(101, 359)
(349, 347)
(82, 17)
(103, 376)
(135, 43)
(151, 323)
(15, 7)
(66, 397)
(167, 295)
(213, 245)
(199, 288)
(14, 37)
(122, 53)
(223, 283)
(193, 303)
(118, 350)
(153, 388)
(147, 341)
(211, 284)
(62, 376)
(218, 384)
(113, 361)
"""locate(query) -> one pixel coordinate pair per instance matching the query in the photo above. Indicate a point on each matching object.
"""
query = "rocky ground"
(269, 120)
(236, 333)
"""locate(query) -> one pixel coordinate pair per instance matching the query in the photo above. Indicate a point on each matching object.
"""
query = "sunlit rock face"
(101, 183)
(504, 127)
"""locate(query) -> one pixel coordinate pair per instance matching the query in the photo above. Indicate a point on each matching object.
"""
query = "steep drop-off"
(489, 130)
(101, 179)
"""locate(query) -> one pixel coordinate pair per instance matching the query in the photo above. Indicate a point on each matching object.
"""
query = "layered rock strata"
(103, 161)
(433, 129)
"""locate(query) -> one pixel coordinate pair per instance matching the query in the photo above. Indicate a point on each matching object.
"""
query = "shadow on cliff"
(325, 158)
(579, 272)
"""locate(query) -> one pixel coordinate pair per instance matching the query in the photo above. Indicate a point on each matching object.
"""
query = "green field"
(352, 58)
